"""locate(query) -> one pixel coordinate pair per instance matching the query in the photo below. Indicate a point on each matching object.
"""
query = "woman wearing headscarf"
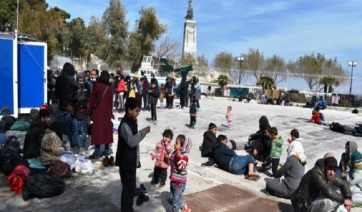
(292, 170)
(261, 147)
(102, 103)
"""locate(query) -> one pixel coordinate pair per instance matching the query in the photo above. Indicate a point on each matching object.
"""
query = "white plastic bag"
(84, 166)
(69, 158)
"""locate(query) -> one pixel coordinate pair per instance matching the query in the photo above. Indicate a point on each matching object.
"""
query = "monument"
(189, 44)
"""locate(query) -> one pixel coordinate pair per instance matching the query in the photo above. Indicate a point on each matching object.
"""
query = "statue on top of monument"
(190, 11)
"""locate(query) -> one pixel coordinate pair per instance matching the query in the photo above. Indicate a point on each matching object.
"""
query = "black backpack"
(6, 123)
(337, 127)
(43, 186)
(10, 156)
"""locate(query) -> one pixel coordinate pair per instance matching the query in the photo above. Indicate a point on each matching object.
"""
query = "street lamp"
(353, 64)
(240, 59)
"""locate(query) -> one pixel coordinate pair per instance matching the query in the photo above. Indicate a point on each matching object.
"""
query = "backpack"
(6, 123)
(10, 156)
(42, 186)
(337, 127)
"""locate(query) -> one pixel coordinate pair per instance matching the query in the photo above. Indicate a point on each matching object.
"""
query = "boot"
(111, 161)
(105, 161)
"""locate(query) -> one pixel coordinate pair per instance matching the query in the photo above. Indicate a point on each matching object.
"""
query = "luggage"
(43, 186)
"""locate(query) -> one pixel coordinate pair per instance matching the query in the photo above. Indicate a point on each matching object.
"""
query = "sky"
(287, 28)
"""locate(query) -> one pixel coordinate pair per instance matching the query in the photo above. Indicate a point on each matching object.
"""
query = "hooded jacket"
(33, 139)
(208, 144)
(65, 86)
(315, 183)
(179, 163)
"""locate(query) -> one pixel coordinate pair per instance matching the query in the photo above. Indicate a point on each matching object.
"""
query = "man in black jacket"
(65, 91)
(315, 192)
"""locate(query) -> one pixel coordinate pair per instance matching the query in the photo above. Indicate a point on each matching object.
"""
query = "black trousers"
(168, 101)
(192, 121)
(159, 172)
(153, 112)
(128, 179)
(183, 98)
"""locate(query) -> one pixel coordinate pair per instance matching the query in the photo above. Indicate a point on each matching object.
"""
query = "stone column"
(189, 44)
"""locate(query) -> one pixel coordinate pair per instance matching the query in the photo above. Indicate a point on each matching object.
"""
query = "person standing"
(102, 103)
(128, 153)
(183, 92)
(154, 93)
(121, 89)
(196, 92)
(145, 94)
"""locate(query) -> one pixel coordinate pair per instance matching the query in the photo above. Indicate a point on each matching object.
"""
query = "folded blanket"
(17, 179)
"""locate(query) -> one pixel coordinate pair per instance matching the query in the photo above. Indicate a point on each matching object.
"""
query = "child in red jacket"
(316, 118)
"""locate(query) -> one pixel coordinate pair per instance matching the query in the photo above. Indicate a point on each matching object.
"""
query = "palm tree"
(222, 81)
(328, 82)
(266, 83)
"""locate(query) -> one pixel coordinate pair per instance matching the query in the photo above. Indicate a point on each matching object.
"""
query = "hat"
(331, 161)
(356, 157)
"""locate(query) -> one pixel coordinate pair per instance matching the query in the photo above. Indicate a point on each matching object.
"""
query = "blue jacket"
(223, 156)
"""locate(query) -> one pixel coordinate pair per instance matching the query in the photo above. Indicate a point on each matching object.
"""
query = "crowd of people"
(93, 97)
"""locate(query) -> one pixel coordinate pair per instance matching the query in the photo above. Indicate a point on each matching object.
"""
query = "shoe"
(208, 163)
(93, 157)
(105, 161)
(186, 208)
(162, 184)
(142, 198)
(111, 161)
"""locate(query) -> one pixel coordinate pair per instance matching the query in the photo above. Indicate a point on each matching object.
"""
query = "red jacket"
(316, 118)
(120, 86)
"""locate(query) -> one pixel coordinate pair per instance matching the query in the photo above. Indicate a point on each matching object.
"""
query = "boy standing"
(127, 157)
(276, 148)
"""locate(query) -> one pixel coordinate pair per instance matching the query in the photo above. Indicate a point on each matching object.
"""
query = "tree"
(223, 80)
(8, 11)
(202, 61)
(276, 68)
(168, 47)
(94, 40)
(73, 37)
(223, 61)
(115, 27)
(328, 82)
(148, 30)
(312, 67)
(45, 25)
(266, 82)
(255, 62)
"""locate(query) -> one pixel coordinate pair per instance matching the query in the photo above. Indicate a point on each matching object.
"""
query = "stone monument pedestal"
(189, 44)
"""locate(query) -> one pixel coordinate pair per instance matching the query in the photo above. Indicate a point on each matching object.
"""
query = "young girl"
(178, 177)
(161, 154)
(228, 116)
(154, 93)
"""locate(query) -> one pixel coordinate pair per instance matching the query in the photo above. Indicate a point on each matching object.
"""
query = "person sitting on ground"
(259, 142)
(315, 192)
(316, 118)
(52, 146)
(292, 170)
(355, 182)
(35, 134)
(208, 144)
(229, 161)
(343, 167)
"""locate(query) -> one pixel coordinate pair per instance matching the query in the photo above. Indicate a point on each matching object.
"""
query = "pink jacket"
(159, 153)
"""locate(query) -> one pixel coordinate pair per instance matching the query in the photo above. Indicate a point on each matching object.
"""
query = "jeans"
(67, 120)
(183, 98)
(240, 164)
(97, 149)
(153, 112)
(159, 172)
(323, 204)
(145, 100)
(115, 101)
(82, 126)
(177, 189)
(121, 101)
(128, 180)
(275, 164)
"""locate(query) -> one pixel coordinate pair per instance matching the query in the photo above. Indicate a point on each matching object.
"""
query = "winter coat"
(159, 153)
(208, 144)
(196, 91)
(193, 110)
(120, 86)
(51, 148)
(81, 102)
(179, 163)
(102, 124)
(183, 87)
(223, 155)
(316, 118)
(169, 88)
(315, 183)
(33, 139)
(154, 93)
(263, 125)
(65, 89)
(162, 93)
(276, 147)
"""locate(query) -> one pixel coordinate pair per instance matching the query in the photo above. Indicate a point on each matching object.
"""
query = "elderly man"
(315, 192)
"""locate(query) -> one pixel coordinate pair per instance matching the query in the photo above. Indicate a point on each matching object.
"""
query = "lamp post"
(240, 59)
(353, 64)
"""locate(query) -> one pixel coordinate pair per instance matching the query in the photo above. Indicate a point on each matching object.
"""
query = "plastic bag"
(84, 166)
(69, 158)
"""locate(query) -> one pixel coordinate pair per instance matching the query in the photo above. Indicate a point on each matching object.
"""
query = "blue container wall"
(6, 74)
